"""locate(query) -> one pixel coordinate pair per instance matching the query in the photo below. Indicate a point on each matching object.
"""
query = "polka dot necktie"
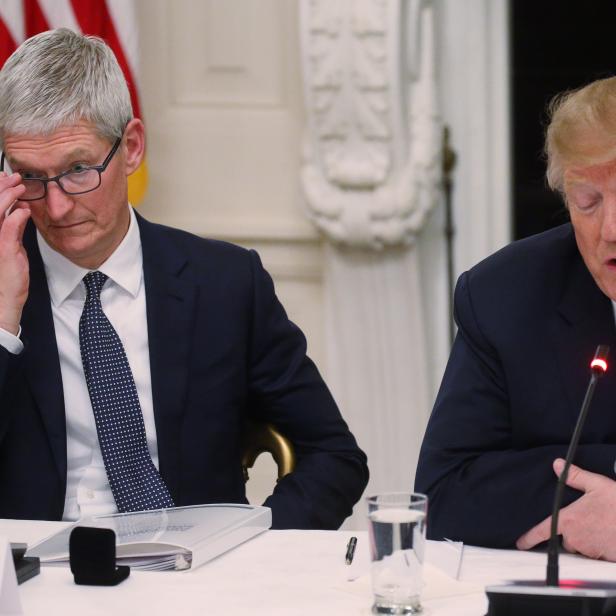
(134, 480)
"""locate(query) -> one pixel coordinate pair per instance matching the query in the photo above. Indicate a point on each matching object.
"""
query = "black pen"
(350, 550)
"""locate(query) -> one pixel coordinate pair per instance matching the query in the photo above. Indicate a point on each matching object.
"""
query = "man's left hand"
(588, 525)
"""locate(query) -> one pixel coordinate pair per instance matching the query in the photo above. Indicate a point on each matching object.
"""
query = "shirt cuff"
(10, 342)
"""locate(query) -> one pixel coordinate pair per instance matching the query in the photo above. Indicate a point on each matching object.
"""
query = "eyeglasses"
(76, 181)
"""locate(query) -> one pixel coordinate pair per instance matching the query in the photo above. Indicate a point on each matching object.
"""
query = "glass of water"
(397, 528)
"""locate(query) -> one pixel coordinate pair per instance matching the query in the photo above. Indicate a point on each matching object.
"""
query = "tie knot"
(94, 282)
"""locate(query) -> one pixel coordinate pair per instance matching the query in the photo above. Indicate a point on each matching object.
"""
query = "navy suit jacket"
(221, 349)
(530, 318)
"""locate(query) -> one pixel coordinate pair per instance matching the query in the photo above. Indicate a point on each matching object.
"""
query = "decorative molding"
(371, 169)
(239, 232)
(291, 253)
(236, 52)
(289, 261)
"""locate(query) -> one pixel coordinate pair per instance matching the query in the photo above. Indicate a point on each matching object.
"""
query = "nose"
(57, 201)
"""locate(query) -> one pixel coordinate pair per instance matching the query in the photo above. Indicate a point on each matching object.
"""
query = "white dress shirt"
(123, 301)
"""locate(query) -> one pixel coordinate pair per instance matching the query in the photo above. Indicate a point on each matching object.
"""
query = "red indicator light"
(598, 364)
(571, 584)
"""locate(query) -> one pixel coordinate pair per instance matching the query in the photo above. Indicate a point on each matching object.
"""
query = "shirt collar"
(124, 265)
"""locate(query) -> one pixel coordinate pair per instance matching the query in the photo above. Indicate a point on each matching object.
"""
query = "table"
(290, 573)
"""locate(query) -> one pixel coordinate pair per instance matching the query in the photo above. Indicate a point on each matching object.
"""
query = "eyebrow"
(74, 155)
(584, 182)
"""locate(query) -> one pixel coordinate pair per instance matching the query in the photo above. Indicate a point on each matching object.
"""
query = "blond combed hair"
(581, 130)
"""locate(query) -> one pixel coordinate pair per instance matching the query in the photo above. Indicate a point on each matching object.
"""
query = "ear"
(134, 145)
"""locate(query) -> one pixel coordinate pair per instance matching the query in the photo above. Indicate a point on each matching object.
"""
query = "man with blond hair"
(530, 318)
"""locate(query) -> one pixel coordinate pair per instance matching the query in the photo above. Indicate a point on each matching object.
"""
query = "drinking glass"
(397, 528)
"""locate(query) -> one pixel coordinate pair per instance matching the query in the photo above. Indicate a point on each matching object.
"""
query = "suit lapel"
(170, 305)
(40, 355)
(584, 320)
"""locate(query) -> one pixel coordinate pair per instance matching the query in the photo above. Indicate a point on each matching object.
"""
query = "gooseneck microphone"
(554, 597)
(598, 367)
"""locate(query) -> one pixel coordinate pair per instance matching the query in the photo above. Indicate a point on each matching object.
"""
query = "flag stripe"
(7, 44)
(59, 14)
(93, 18)
(34, 18)
(12, 14)
(124, 17)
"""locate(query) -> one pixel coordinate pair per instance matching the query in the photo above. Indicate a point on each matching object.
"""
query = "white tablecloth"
(279, 573)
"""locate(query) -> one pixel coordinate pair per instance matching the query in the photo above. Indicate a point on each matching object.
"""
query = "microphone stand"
(553, 597)
(597, 371)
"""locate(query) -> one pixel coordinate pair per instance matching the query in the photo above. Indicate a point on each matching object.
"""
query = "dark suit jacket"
(221, 349)
(530, 318)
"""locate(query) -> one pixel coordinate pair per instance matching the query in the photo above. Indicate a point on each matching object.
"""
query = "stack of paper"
(176, 538)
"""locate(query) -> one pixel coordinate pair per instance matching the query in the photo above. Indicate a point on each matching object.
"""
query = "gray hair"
(58, 78)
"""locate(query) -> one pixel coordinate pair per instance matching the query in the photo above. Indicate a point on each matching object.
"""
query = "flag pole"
(449, 162)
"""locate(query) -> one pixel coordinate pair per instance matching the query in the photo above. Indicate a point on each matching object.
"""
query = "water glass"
(397, 528)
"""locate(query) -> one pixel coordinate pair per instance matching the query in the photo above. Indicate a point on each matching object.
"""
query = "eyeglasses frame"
(56, 178)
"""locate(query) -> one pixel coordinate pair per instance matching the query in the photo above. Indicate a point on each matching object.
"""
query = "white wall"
(221, 92)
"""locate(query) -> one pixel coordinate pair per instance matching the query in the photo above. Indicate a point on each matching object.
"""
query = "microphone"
(559, 597)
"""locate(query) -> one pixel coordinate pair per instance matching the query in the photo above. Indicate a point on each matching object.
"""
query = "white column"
(377, 357)
(370, 176)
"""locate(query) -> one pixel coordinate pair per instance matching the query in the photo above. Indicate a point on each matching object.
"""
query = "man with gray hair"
(530, 318)
(131, 354)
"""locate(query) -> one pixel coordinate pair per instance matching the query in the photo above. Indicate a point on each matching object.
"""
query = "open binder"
(165, 539)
